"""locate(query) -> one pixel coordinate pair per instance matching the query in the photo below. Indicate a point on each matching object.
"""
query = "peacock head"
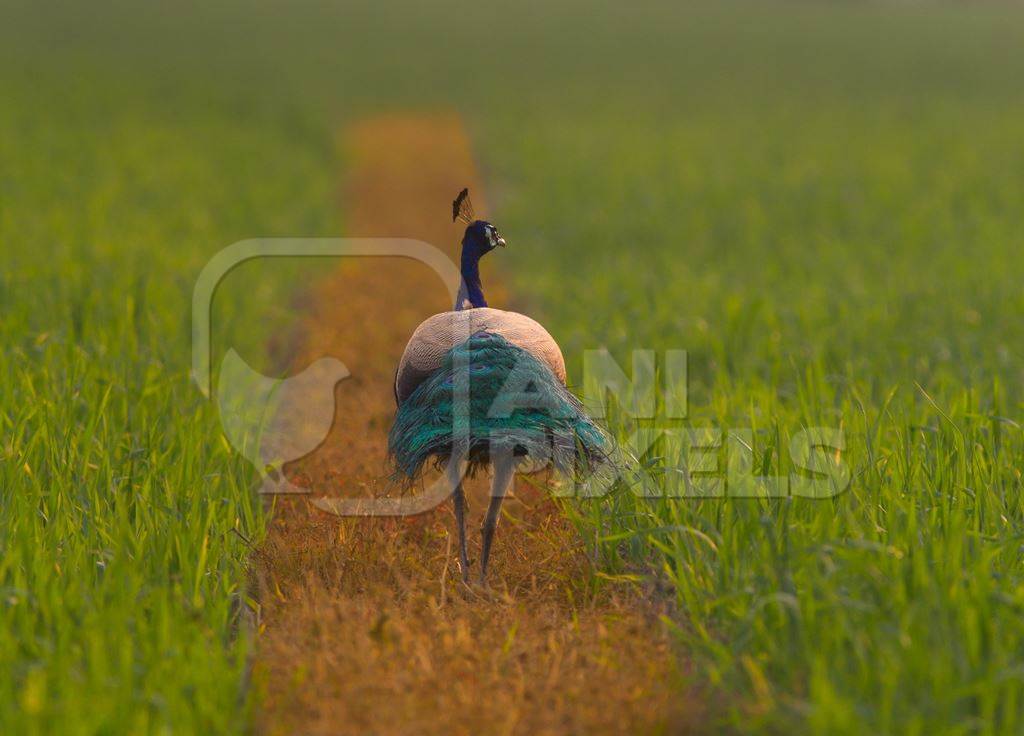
(481, 237)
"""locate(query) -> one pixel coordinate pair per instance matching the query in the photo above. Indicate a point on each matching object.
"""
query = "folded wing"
(438, 334)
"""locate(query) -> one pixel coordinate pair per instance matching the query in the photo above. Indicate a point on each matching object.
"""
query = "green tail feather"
(516, 405)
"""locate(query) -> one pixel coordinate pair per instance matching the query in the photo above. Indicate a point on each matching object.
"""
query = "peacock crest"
(462, 208)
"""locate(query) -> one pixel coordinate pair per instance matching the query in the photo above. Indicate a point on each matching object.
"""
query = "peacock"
(509, 375)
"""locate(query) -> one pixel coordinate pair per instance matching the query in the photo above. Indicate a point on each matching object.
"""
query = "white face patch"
(492, 236)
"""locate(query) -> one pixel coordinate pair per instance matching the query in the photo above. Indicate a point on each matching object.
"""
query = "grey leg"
(504, 471)
(460, 519)
(459, 500)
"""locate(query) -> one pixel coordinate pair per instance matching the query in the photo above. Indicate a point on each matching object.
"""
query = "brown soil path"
(365, 627)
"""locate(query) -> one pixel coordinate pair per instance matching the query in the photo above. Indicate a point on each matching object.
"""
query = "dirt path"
(365, 627)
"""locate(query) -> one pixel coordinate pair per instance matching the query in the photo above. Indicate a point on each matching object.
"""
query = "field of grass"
(864, 280)
(840, 253)
(123, 513)
(821, 203)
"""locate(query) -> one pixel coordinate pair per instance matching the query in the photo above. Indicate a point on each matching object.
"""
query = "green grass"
(897, 605)
(848, 266)
(122, 511)
(821, 203)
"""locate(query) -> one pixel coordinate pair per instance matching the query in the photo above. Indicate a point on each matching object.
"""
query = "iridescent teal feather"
(516, 404)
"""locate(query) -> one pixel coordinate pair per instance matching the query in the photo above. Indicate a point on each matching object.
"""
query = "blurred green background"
(821, 202)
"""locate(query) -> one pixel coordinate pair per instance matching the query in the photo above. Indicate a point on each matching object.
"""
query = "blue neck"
(471, 275)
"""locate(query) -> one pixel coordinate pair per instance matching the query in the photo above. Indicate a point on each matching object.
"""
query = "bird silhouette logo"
(273, 421)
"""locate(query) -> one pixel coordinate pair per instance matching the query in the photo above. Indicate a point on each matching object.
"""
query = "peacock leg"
(459, 501)
(504, 471)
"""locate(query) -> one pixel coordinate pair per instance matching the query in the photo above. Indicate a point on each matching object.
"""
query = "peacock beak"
(501, 242)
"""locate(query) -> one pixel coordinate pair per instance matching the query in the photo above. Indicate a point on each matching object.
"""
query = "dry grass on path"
(365, 626)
